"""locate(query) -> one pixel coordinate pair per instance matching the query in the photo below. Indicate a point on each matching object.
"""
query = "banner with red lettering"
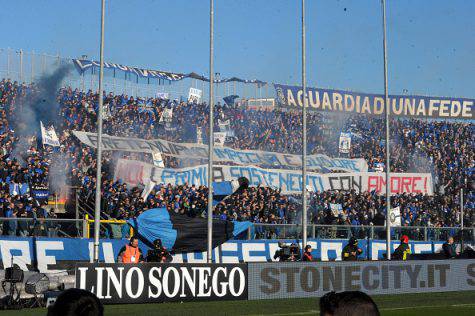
(289, 181)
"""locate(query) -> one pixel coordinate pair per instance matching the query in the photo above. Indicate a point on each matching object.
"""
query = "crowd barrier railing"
(117, 229)
(42, 227)
(113, 228)
(418, 233)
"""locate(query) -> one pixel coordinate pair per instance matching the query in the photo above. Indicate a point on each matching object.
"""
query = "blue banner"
(340, 101)
(60, 254)
(40, 193)
(82, 65)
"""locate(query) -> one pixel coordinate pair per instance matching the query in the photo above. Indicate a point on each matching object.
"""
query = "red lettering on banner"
(414, 183)
(395, 184)
(373, 184)
(406, 184)
(399, 184)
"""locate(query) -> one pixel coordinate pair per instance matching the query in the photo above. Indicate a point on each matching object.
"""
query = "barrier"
(153, 282)
(50, 255)
(287, 280)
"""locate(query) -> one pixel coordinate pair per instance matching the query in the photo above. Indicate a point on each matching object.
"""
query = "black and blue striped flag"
(180, 233)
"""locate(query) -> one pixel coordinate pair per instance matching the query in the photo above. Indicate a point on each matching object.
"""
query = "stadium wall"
(288, 280)
(152, 282)
(51, 255)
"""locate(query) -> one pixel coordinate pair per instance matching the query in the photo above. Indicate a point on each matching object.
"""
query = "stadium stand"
(444, 149)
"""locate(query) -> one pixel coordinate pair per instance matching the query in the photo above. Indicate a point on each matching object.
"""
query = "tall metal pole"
(32, 66)
(304, 134)
(97, 212)
(461, 218)
(211, 132)
(8, 63)
(21, 65)
(388, 166)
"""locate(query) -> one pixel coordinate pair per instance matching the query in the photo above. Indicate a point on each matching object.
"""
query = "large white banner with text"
(135, 172)
(223, 154)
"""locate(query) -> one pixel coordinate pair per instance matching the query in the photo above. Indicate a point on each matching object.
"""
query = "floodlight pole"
(461, 219)
(304, 134)
(211, 133)
(387, 109)
(97, 211)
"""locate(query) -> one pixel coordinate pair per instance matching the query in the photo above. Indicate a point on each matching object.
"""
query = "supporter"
(444, 149)
(307, 254)
(449, 248)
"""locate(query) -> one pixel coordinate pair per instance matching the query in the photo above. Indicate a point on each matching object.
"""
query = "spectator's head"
(157, 243)
(308, 248)
(134, 241)
(76, 302)
(350, 303)
(450, 240)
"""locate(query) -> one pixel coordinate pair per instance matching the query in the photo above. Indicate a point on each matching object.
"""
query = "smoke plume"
(41, 104)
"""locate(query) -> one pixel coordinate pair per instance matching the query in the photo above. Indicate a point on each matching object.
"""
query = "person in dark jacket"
(402, 252)
(450, 248)
(351, 250)
(307, 254)
(159, 253)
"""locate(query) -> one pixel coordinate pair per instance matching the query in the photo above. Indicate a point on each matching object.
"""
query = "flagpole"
(97, 211)
(304, 134)
(387, 108)
(211, 133)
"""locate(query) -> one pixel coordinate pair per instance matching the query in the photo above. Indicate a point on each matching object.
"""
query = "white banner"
(336, 209)
(345, 143)
(48, 135)
(167, 116)
(195, 95)
(224, 154)
(158, 159)
(199, 135)
(224, 125)
(395, 216)
(162, 95)
(147, 189)
(219, 138)
(289, 181)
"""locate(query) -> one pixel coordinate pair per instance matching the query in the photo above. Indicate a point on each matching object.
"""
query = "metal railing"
(42, 227)
(419, 233)
(112, 228)
(25, 66)
(69, 228)
(116, 229)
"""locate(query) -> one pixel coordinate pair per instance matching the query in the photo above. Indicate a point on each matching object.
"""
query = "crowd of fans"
(442, 148)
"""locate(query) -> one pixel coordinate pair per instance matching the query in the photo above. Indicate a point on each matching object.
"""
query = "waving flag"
(49, 136)
(181, 233)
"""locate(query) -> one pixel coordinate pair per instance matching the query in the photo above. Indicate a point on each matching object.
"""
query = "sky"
(431, 44)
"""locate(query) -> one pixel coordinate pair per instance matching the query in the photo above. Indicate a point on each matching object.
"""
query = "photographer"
(288, 253)
(158, 253)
